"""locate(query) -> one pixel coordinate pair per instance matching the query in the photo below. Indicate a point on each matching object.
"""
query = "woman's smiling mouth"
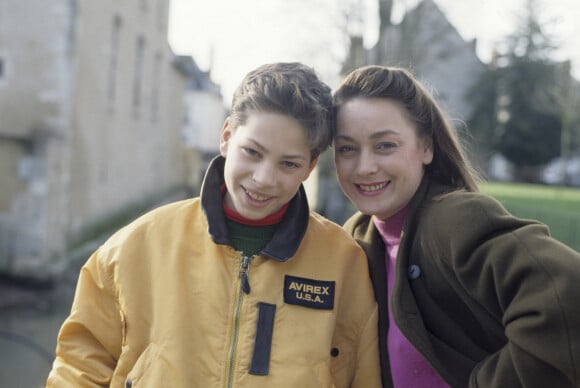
(370, 188)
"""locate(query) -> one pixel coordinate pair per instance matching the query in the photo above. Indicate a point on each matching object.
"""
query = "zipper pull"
(245, 283)
(244, 274)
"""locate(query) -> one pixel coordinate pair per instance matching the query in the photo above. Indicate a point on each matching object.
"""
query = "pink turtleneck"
(408, 367)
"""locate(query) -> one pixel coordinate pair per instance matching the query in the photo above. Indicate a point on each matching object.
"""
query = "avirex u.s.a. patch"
(317, 294)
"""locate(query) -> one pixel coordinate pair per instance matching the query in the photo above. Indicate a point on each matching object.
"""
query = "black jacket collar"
(289, 232)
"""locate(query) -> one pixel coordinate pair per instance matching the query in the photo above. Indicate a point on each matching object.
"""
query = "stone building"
(428, 44)
(91, 116)
(205, 113)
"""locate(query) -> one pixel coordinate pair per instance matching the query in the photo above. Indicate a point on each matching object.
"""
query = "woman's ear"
(226, 134)
(427, 145)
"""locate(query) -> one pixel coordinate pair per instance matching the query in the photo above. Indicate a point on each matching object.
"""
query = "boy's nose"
(264, 175)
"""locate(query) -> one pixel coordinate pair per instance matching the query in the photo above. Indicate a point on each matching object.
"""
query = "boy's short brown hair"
(292, 89)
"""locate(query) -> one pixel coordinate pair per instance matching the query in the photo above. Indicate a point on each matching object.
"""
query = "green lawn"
(558, 207)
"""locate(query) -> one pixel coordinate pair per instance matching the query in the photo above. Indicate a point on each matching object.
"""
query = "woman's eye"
(345, 149)
(386, 146)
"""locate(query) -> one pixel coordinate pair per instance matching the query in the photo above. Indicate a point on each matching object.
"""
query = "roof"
(198, 79)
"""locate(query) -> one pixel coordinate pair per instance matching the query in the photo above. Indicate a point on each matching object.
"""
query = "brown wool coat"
(489, 299)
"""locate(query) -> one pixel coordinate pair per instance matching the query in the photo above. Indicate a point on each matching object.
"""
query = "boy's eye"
(250, 151)
(292, 165)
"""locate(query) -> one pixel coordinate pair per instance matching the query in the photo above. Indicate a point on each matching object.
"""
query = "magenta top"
(408, 367)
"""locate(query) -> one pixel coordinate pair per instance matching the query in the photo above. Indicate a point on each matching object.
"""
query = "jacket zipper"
(243, 288)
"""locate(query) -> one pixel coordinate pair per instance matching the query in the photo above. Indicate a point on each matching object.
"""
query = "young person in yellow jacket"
(241, 287)
(468, 294)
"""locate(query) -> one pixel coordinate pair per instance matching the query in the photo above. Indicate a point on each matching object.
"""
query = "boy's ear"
(311, 167)
(226, 134)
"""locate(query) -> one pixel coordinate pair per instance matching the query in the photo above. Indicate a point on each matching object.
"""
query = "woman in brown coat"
(469, 295)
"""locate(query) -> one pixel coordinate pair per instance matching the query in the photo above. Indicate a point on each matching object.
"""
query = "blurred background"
(109, 108)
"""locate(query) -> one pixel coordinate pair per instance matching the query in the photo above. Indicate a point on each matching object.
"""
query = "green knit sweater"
(250, 240)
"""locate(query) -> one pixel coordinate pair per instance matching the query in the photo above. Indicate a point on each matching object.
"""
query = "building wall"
(206, 115)
(203, 123)
(34, 48)
(125, 130)
(91, 116)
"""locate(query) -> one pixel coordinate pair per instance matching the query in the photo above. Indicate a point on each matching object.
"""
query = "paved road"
(30, 317)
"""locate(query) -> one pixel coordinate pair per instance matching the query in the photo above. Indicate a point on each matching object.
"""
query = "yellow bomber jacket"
(164, 303)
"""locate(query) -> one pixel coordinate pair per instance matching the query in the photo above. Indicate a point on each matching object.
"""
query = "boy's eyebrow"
(288, 156)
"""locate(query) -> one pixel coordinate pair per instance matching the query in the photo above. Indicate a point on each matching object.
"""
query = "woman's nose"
(367, 164)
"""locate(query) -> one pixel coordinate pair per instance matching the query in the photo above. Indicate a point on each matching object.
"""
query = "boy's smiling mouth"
(255, 196)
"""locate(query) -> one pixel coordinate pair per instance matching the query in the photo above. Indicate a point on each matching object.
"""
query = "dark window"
(138, 73)
(156, 86)
(114, 58)
(161, 15)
